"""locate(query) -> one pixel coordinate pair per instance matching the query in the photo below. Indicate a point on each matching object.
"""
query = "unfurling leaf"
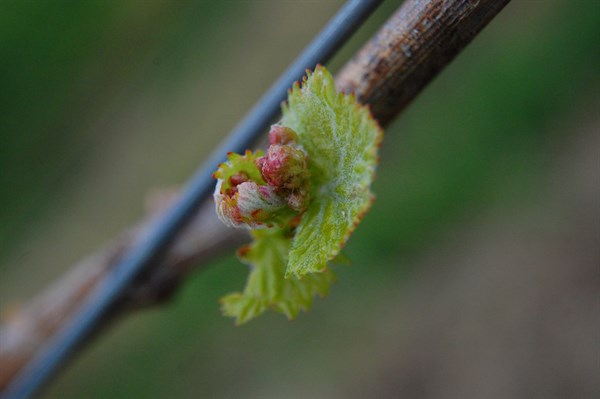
(266, 286)
(341, 139)
(310, 190)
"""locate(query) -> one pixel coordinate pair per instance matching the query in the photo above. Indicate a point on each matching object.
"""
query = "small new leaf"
(341, 139)
(266, 286)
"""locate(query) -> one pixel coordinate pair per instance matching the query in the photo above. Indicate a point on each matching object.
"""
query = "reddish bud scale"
(239, 178)
(282, 135)
(243, 251)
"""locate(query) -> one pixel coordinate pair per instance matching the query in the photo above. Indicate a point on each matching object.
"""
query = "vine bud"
(248, 205)
(255, 191)
(285, 167)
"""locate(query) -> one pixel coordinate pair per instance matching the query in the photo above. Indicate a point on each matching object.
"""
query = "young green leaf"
(266, 286)
(341, 139)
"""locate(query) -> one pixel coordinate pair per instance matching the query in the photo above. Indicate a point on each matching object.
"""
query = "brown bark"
(407, 52)
(420, 39)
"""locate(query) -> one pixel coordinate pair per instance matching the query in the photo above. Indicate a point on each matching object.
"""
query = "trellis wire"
(150, 247)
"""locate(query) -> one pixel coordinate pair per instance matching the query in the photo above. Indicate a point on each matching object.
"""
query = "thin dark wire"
(161, 234)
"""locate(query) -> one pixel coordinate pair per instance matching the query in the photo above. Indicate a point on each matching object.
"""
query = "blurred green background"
(474, 275)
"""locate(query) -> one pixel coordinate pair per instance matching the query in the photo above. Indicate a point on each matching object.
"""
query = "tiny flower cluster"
(255, 191)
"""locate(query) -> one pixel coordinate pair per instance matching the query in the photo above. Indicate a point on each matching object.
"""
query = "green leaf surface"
(341, 139)
(266, 287)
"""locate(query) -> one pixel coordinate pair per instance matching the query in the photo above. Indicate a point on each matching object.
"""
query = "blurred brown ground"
(509, 306)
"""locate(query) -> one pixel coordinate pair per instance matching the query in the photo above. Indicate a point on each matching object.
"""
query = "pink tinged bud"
(250, 206)
(284, 167)
(241, 202)
(282, 135)
(254, 199)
